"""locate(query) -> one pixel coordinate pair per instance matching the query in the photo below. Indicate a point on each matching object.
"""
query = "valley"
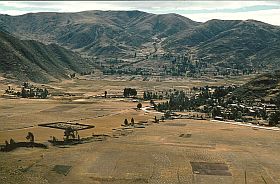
(140, 43)
(113, 97)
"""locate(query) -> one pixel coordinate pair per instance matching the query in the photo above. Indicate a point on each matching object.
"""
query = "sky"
(201, 11)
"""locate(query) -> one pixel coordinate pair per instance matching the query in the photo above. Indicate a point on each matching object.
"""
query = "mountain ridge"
(117, 34)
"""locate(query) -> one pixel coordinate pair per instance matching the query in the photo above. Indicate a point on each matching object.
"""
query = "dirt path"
(248, 125)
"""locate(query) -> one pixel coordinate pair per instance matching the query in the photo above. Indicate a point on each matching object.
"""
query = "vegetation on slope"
(34, 61)
(266, 86)
(224, 43)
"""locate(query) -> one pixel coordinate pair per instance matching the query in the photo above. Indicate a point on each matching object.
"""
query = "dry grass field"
(174, 151)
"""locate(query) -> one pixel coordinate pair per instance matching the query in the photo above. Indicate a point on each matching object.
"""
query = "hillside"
(96, 32)
(34, 61)
(241, 45)
(265, 86)
(235, 44)
(224, 43)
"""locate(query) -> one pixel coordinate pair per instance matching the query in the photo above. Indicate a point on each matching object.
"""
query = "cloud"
(267, 11)
(14, 12)
(218, 5)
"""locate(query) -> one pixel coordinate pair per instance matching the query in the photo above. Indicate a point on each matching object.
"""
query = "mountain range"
(226, 43)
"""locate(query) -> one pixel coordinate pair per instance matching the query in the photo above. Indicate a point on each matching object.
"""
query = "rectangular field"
(65, 125)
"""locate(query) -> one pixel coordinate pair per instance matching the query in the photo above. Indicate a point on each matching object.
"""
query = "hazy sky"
(266, 11)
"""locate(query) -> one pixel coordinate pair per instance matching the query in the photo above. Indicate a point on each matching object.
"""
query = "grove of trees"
(127, 92)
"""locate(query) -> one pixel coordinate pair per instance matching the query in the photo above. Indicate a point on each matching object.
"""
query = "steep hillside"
(34, 61)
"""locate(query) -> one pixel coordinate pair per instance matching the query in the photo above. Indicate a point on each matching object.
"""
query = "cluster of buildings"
(255, 113)
(28, 91)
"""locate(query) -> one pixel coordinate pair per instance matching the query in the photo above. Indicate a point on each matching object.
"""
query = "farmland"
(173, 151)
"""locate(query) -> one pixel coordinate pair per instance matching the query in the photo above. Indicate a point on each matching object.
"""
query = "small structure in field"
(71, 136)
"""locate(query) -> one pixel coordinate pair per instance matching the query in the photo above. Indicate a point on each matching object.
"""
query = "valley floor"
(173, 151)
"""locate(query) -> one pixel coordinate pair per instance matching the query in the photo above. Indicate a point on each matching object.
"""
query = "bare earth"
(160, 153)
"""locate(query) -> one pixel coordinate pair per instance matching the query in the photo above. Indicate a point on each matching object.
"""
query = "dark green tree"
(274, 118)
(139, 105)
(30, 137)
(216, 112)
(129, 92)
(132, 121)
(23, 93)
(125, 122)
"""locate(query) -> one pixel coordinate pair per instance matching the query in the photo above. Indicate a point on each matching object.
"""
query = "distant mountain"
(265, 86)
(96, 32)
(242, 44)
(227, 43)
(34, 61)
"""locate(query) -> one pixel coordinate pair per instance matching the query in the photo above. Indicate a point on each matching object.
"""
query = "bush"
(139, 106)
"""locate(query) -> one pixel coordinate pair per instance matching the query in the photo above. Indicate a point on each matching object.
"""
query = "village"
(27, 91)
(216, 102)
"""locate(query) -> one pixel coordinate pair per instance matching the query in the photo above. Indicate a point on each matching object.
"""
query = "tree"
(105, 94)
(12, 141)
(133, 92)
(45, 93)
(69, 132)
(132, 121)
(216, 112)
(125, 122)
(30, 137)
(145, 95)
(25, 84)
(152, 103)
(23, 93)
(156, 120)
(139, 105)
(129, 92)
(274, 118)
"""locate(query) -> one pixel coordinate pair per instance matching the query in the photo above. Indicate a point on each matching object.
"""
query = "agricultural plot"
(65, 125)
(205, 168)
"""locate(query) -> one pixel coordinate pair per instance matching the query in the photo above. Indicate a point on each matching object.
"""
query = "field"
(173, 151)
